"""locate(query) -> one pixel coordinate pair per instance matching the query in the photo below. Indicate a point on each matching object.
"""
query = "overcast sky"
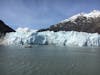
(38, 14)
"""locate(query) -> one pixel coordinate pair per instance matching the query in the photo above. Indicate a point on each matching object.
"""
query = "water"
(49, 60)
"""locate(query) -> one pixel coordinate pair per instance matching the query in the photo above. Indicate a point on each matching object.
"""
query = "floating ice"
(61, 38)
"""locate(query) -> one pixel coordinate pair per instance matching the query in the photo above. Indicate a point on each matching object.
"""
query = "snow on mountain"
(82, 22)
(93, 14)
(61, 38)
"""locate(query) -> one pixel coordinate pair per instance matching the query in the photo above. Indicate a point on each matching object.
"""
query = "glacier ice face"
(61, 38)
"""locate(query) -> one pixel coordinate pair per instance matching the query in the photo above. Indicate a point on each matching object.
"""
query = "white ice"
(25, 36)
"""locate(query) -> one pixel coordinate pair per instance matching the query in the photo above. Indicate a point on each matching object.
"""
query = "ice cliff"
(25, 36)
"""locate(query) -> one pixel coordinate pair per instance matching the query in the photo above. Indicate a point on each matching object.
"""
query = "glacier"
(25, 36)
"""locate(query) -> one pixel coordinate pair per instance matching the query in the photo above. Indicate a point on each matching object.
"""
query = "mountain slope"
(81, 22)
(5, 28)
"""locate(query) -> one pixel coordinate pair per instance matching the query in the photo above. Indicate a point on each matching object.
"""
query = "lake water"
(49, 60)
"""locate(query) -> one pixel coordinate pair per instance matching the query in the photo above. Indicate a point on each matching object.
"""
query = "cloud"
(42, 13)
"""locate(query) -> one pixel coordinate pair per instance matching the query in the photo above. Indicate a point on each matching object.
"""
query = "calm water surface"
(49, 60)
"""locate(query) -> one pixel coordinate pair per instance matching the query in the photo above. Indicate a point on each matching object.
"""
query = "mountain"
(5, 28)
(81, 22)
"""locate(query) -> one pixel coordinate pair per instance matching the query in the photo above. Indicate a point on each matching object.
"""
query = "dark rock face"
(5, 28)
(81, 24)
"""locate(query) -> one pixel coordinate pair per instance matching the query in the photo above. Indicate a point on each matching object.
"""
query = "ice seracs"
(61, 38)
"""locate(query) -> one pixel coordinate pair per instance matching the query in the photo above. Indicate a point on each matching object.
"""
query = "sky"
(37, 14)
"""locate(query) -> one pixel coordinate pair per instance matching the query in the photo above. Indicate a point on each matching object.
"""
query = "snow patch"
(93, 14)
